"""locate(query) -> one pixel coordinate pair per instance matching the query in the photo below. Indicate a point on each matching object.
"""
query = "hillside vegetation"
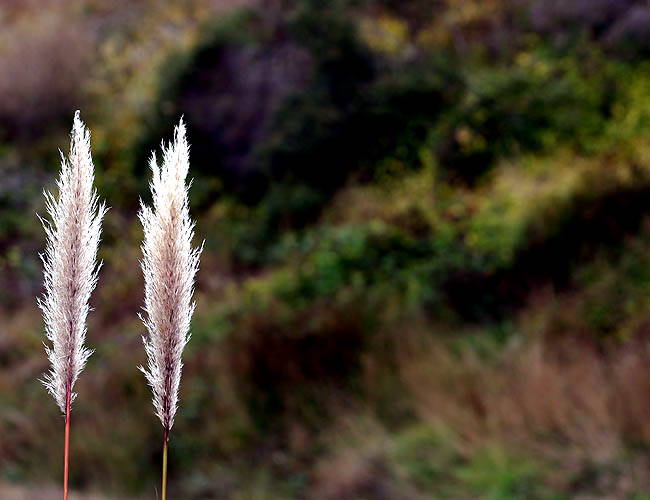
(427, 245)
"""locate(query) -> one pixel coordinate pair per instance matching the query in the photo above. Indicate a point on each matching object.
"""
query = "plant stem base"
(164, 467)
(66, 452)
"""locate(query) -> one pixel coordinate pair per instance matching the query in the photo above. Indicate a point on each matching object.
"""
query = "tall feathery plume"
(70, 272)
(169, 265)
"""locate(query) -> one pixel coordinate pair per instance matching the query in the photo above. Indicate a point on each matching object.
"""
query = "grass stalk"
(164, 465)
(66, 452)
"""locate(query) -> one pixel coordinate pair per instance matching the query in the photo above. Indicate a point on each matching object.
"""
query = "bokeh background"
(427, 246)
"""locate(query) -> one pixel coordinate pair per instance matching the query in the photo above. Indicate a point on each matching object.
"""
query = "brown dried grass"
(535, 393)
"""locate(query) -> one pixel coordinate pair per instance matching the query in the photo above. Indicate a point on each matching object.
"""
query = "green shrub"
(535, 103)
(495, 474)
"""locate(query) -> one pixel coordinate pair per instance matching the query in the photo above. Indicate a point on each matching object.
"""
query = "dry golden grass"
(360, 465)
(578, 407)
(562, 397)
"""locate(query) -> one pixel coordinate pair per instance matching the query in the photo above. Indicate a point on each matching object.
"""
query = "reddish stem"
(66, 453)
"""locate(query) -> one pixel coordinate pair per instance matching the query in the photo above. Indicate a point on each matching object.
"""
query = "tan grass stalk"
(169, 265)
(70, 272)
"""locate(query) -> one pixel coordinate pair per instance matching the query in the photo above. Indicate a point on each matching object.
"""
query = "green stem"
(164, 469)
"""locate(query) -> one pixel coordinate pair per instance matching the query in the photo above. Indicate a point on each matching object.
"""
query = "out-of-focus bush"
(535, 104)
(20, 230)
(323, 117)
(324, 303)
(44, 61)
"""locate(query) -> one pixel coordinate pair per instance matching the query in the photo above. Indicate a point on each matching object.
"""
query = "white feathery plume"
(70, 265)
(169, 265)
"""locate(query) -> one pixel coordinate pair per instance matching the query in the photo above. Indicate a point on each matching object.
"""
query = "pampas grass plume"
(169, 265)
(70, 265)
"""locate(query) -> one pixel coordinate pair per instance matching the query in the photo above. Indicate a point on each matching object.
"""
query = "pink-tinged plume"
(169, 264)
(70, 265)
